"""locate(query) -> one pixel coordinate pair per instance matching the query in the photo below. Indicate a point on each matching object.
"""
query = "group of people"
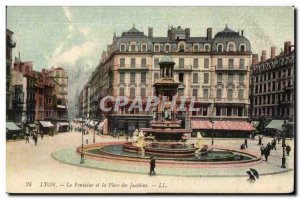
(265, 150)
(245, 144)
(34, 135)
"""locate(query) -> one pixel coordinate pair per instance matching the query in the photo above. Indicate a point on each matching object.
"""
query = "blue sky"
(76, 36)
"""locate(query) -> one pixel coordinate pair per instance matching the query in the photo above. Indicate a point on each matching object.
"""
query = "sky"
(75, 37)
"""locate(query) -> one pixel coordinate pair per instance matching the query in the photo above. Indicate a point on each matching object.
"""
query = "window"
(132, 62)
(279, 74)
(195, 92)
(196, 63)
(220, 48)
(122, 77)
(241, 94)
(195, 78)
(122, 91)
(143, 62)
(132, 77)
(230, 78)
(219, 78)
(229, 94)
(181, 63)
(156, 48)
(230, 63)
(242, 48)
(144, 47)
(181, 77)
(181, 48)
(196, 48)
(167, 48)
(143, 92)
(289, 72)
(242, 63)
(218, 111)
(143, 77)
(132, 47)
(132, 92)
(224, 111)
(155, 76)
(122, 62)
(241, 78)
(220, 63)
(206, 78)
(206, 48)
(205, 93)
(219, 94)
(206, 63)
(231, 47)
(234, 111)
(123, 47)
(156, 62)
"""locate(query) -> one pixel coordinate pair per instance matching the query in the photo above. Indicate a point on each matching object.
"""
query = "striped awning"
(10, 126)
(222, 125)
(46, 124)
(198, 124)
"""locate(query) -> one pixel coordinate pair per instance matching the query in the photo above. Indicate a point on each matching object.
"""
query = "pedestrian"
(288, 150)
(42, 134)
(35, 138)
(246, 143)
(267, 153)
(269, 146)
(152, 166)
(274, 143)
(126, 137)
(27, 138)
(262, 149)
(259, 139)
(242, 147)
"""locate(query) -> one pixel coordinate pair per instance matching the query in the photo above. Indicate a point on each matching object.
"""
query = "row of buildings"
(34, 99)
(213, 69)
(229, 83)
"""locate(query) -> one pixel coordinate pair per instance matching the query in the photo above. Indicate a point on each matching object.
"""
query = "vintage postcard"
(150, 99)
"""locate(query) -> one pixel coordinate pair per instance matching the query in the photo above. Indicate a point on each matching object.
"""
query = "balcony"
(233, 101)
(184, 68)
(231, 68)
(135, 68)
(10, 43)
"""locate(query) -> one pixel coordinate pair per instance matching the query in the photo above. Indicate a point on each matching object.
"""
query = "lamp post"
(283, 146)
(212, 132)
(82, 155)
(94, 139)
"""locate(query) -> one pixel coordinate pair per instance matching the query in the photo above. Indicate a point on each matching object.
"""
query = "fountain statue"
(199, 145)
(139, 140)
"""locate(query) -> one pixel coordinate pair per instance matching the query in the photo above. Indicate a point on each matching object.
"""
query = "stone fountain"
(165, 137)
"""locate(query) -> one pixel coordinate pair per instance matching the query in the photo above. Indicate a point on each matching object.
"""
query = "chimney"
(273, 52)
(263, 55)
(187, 33)
(254, 59)
(286, 47)
(150, 32)
(209, 33)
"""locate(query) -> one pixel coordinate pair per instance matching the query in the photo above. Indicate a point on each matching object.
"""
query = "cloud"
(84, 30)
(67, 13)
(72, 55)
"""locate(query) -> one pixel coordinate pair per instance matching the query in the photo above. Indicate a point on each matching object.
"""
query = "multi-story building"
(26, 68)
(214, 70)
(272, 85)
(39, 96)
(10, 44)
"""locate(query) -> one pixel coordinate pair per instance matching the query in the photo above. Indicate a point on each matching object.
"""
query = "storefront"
(46, 127)
(13, 131)
(63, 127)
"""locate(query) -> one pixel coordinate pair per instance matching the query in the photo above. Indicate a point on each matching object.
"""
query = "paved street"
(32, 165)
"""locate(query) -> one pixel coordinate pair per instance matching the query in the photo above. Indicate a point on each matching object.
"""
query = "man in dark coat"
(152, 166)
(246, 143)
(274, 143)
(35, 138)
(288, 150)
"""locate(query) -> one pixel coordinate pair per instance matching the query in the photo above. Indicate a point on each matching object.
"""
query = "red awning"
(223, 125)
(198, 124)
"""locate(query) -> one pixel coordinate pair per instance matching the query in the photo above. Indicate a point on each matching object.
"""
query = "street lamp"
(283, 146)
(212, 132)
(82, 155)
(94, 139)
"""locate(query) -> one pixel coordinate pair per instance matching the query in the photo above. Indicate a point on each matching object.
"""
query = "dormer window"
(123, 48)
(220, 48)
(206, 47)
(196, 48)
(181, 48)
(231, 47)
(167, 48)
(156, 48)
(132, 47)
(242, 48)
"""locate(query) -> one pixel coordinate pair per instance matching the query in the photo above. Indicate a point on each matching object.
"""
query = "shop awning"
(46, 124)
(275, 124)
(198, 124)
(61, 106)
(223, 125)
(255, 123)
(31, 125)
(63, 124)
(10, 126)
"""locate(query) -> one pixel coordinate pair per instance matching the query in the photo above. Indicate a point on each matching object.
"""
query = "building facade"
(214, 70)
(272, 85)
(10, 44)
